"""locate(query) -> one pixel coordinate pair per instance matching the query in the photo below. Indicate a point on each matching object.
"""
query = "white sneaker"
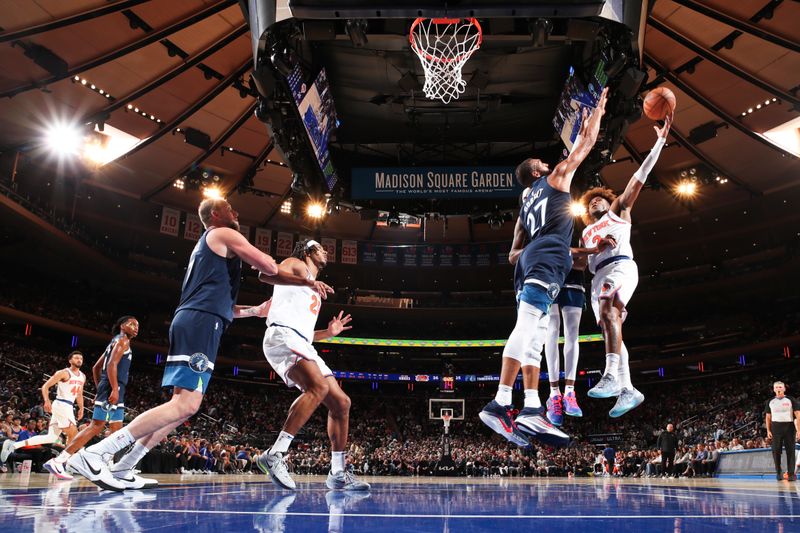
(345, 481)
(628, 399)
(132, 481)
(607, 387)
(8, 447)
(91, 466)
(275, 466)
(58, 469)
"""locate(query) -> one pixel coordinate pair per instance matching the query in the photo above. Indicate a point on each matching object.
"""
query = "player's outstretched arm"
(625, 201)
(338, 324)
(292, 271)
(518, 244)
(247, 311)
(55, 378)
(561, 177)
(225, 241)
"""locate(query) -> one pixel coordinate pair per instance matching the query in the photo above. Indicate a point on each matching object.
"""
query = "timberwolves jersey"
(123, 366)
(574, 280)
(211, 283)
(546, 218)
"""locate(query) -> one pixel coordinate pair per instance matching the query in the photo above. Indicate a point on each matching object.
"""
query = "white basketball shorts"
(284, 348)
(617, 280)
(63, 415)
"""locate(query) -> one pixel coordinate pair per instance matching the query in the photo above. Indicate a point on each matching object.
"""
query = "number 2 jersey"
(546, 217)
(295, 307)
(609, 225)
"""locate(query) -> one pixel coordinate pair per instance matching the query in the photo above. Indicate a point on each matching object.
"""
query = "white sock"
(555, 391)
(612, 364)
(624, 371)
(282, 443)
(63, 457)
(503, 396)
(113, 443)
(532, 398)
(551, 343)
(569, 388)
(337, 461)
(131, 459)
(572, 320)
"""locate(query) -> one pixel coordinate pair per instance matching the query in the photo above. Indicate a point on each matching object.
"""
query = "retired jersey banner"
(410, 256)
(285, 244)
(483, 255)
(446, 255)
(263, 240)
(170, 221)
(193, 228)
(330, 248)
(464, 254)
(501, 251)
(369, 253)
(349, 252)
(390, 255)
(245, 230)
(434, 182)
(427, 256)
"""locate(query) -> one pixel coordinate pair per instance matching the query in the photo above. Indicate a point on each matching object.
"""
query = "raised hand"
(339, 323)
(664, 130)
(323, 289)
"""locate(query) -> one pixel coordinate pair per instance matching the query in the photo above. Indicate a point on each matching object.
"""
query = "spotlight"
(212, 192)
(577, 209)
(64, 139)
(286, 207)
(179, 184)
(686, 188)
(315, 209)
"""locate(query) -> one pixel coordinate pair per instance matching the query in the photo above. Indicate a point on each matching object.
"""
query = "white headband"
(311, 243)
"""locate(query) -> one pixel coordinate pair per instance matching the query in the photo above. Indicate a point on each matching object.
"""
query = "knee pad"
(526, 335)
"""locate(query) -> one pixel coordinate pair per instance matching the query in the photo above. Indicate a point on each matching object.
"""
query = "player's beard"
(234, 224)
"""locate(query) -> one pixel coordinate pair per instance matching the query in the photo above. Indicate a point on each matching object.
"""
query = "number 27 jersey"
(296, 307)
(546, 217)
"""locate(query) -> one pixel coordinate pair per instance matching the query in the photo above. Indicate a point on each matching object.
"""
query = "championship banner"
(369, 254)
(349, 252)
(434, 182)
(193, 228)
(410, 256)
(170, 221)
(464, 255)
(446, 254)
(330, 248)
(483, 255)
(390, 256)
(263, 240)
(501, 253)
(245, 230)
(427, 257)
(285, 244)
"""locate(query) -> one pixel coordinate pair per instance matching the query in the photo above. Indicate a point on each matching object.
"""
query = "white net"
(443, 46)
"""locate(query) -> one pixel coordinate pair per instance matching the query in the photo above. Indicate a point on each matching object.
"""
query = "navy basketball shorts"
(194, 338)
(571, 298)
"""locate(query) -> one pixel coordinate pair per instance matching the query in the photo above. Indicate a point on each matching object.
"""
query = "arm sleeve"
(650, 161)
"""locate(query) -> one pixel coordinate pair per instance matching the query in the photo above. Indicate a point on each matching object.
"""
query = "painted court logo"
(198, 362)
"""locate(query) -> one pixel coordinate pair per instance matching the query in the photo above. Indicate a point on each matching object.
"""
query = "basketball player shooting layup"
(543, 265)
(206, 309)
(69, 392)
(608, 218)
(290, 331)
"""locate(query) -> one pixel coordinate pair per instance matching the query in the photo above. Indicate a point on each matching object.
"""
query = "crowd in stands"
(238, 420)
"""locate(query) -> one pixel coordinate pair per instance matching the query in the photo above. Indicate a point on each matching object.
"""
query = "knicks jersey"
(68, 390)
(211, 283)
(547, 220)
(295, 307)
(609, 225)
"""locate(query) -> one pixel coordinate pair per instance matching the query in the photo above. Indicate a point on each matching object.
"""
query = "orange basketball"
(659, 103)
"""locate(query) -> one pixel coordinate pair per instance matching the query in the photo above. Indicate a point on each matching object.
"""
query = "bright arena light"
(64, 139)
(686, 188)
(315, 210)
(212, 192)
(577, 209)
(286, 207)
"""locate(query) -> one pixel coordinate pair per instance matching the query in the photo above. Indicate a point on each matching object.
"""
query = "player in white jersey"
(290, 331)
(69, 391)
(608, 220)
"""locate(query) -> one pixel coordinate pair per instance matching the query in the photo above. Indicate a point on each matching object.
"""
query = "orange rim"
(446, 22)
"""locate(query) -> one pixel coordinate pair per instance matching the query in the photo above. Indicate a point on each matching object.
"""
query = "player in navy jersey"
(110, 374)
(207, 307)
(543, 264)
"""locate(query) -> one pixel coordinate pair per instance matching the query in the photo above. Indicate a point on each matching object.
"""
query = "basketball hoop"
(443, 45)
(446, 420)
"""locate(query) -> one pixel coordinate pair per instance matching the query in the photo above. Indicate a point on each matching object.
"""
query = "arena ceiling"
(186, 65)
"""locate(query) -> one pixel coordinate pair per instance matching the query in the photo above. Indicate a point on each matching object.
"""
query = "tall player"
(206, 309)
(287, 346)
(68, 392)
(110, 374)
(543, 265)
(608, 217)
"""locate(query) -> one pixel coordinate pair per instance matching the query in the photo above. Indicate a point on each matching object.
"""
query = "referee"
(783, 426)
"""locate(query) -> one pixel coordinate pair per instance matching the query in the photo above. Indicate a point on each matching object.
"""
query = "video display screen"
(576, 96)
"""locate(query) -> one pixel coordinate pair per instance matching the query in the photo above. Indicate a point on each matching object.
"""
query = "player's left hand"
(262, 310)
(664, 130)
(339, 323)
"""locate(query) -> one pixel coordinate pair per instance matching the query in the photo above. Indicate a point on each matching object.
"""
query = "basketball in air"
(659, 103)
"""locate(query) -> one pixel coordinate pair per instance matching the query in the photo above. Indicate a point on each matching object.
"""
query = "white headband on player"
(312, 243)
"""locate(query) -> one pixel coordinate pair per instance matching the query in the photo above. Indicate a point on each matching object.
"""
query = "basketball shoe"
(92, 467)
(275, 466)
(628, 399)
(532, 422)
(555, 409)
(499, 419)
(57, 469)
(607, 387)
(571, 405)
(344, 480)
